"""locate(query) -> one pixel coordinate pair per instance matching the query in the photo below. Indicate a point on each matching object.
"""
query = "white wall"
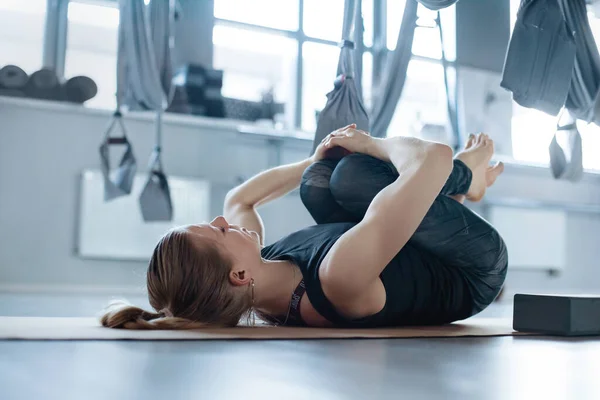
(44, 146)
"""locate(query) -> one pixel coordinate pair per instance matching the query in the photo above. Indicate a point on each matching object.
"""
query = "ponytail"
(121, 315)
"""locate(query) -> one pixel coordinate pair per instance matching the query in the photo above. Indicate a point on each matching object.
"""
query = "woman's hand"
(323, 151)
(352, 140)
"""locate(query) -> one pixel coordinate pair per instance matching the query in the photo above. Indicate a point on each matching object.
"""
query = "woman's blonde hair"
(188, 287)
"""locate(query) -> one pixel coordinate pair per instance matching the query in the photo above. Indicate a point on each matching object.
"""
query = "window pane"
(92, 49)
(22, 33)
(324, 19)
(280, 14)
(448, 21)
(395, 11)
(532, 132)
(320, 65)
(426, 42)
(590, 136)
(254, 62)
(422, 110)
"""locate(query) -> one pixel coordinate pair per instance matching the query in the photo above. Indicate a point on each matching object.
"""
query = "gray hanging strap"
(566, 160)
(451, 98)
(346, 63)
(155, 199)
(119, 182)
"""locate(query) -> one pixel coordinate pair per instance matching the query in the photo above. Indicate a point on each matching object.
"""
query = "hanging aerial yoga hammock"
(344, 104)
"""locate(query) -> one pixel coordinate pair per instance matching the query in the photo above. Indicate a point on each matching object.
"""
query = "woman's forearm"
(404, 152)
(268, 185)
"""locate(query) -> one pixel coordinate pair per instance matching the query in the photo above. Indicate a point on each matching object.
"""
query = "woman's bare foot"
(477, 154)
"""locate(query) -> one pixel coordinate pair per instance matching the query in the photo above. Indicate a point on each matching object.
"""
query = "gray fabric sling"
(541, 56)
(582, 101)
(344, 105)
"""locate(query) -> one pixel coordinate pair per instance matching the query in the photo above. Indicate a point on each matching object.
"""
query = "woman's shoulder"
(307, 238)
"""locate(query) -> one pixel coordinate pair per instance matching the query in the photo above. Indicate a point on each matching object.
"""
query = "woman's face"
(239, 241)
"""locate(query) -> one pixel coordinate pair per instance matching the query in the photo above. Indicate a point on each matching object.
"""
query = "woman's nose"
(220, 221)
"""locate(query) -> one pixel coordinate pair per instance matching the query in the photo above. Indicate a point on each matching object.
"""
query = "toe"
(470, 141)
(493, 172)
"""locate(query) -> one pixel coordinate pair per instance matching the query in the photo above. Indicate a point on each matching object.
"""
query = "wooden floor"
(451, 368)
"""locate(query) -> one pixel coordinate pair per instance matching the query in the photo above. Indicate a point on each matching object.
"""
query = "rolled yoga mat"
(80, 89)
(43, 328)
(44, 84)
(12, 81)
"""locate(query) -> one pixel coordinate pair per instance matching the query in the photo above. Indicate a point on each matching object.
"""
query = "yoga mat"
(42, 328)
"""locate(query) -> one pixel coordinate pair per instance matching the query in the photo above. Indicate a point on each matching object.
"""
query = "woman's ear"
(239, 277)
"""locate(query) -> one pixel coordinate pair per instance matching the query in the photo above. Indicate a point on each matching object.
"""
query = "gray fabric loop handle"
(566, 162)
(119, 182)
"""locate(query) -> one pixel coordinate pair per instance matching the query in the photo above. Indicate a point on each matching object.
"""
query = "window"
(257, 47)
(422, 110)
(22, 33)
(426, 42)
(279, 14)
(255, 62)
(532, 130)
(320, 66)
(324, 19)
(92, 48)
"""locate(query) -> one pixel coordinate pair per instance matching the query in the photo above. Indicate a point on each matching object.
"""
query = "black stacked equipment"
(45, 84)
(198, 91)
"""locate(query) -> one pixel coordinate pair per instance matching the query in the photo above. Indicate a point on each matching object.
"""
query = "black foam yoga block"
(557, 315)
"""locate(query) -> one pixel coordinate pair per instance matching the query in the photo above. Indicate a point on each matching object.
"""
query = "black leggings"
(341, 191)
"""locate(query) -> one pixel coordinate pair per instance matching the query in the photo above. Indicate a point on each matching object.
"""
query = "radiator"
(116, 230)
(536, 239)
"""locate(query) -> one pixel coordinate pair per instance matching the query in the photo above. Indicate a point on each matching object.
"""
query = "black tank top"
(420, 290)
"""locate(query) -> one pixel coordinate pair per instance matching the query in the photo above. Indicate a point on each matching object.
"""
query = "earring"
(253, 311)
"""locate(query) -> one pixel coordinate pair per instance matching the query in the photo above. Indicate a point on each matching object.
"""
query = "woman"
(393, 246)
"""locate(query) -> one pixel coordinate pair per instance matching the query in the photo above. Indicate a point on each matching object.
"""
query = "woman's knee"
(319, 173)
(314, 190)
(495, 275)
(359, 176)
